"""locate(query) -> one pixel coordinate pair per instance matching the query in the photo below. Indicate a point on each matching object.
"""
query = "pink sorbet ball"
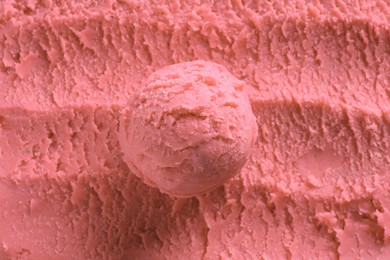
(188, 128)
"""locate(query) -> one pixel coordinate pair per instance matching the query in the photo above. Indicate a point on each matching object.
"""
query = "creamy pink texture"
(188, 128)
(316, 186)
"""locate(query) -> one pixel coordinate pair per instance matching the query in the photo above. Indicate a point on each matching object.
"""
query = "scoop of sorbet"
(188, 128)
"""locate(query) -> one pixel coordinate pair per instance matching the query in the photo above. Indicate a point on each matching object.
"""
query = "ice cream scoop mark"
(230, 104)
(210, 81)
(198, 64)
(225, 139)
(160, 85)
(186, 116)
(187, 85)
(173, 76)
(192, 146)
(239, 87)
(182, 112)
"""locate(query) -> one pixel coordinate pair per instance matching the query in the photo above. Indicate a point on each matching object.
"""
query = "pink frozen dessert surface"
(317, 74)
